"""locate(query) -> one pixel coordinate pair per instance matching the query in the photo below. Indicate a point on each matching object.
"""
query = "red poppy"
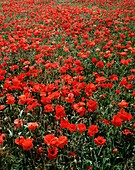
(2, 107)
(127, 132)
(50, 139)
(92, 105)
(92, 130)
(124, 115)
(40, 150)
(60, 112)
(109, 64)
(46, 100)
(93, 60)
(32, 125)
(118, 91)
(81, 111)
(19, 140)
(62, 141)
(123, 81)
(115, 150)
(100, 64)
(70, 98)
(10, 99)
(117, 121)
(100, 140)
(27, 144)
(100, 79)
(89, 88)
(22, 99)
(2, 137)
(72, 127)
(64, 123)
(123, 103)
(113, 77)
(49, 108)
(81, 127)
(18, 122)
(52, 153)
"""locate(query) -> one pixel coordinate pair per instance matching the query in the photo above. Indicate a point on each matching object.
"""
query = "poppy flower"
(92, 105)
(22, 99)
(2, 107)
(18, 122)
(81, 111)
(92, 130)
(19, 140)
(72, 127)
(100, 79)
(27, 144)
(100, 64)
(93, 60)
(100, 141)
(49, 108)
(124, 115)
(52, 153)
(50, 139)
(115, 150)
(2, 136)
(81, 127)
(10, 99)
(118, 91)
(127, 132)
(62, 141)
(89, 88)
(32, 125)
(60, 112)
(40, 150)
(70, 98)
(64, 123)
(123, 103)
(117, 121)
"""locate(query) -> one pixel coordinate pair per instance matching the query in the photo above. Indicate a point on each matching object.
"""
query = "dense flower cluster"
(67, 84)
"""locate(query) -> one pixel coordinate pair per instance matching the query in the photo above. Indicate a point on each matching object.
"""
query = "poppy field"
(67, 85)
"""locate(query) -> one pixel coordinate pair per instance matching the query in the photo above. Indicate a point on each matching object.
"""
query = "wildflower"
(124, 115)
(19, 140)
(100, 141)
(81, 127)
(49, 108)
(123, 103)
(62, 141)
(72, 127)
(18, 123)
(60, 112)
(10, 99)
(64, 123)
(115, 150)
(52, 153)
(127, 132)
(27, 144)
(32, 125)
(2, 137)
(92, 105)
(2, 107)
(50, 139)
(100, 64)
(117, 121)
(40, 150)
(92, 130)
